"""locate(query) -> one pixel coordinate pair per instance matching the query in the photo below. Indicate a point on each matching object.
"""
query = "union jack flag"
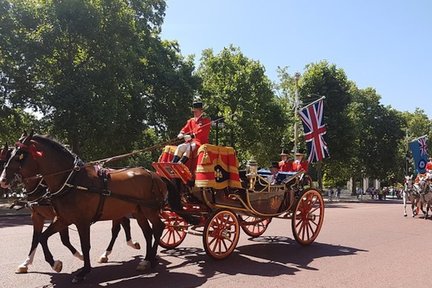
(423, 146)
(314, 130)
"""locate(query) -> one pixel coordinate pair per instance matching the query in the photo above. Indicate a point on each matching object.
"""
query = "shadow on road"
(13, 221)
(265, 256)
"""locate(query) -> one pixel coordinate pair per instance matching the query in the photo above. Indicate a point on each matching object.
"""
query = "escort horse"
(79, 197)
(410, 194)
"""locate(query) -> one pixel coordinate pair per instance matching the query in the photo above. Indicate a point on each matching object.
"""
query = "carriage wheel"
(175, 230)
(254, 226)
(308, 217)
(221, 234)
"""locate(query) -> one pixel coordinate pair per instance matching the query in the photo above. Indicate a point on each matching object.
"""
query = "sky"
(383, 44)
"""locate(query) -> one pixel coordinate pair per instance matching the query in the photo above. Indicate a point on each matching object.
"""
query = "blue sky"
(384, 44)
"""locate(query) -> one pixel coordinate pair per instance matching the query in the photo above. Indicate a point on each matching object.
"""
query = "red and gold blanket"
(217, 167)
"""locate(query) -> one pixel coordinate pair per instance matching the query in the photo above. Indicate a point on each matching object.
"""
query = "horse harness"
(104, 192)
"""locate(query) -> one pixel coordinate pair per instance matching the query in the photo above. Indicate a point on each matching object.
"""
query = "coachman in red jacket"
(195, 133)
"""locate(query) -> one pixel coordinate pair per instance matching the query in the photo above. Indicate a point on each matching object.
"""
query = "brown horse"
(41, 210)
(79, 197)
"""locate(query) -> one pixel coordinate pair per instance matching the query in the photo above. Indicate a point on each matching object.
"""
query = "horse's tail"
(174, 188)
(161, 188)
(174, 200)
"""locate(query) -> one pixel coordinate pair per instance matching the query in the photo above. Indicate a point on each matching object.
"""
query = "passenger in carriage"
(285, 165)
(274, 170)
(300, 163)
(195, 133)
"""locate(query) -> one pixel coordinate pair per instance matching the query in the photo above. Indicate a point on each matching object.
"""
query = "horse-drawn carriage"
(223, 199)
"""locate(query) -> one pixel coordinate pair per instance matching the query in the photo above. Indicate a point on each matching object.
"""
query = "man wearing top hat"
(285, 165)
(300, 164)
(195, 133)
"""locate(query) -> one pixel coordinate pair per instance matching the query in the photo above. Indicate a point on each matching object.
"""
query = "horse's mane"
(46, 140)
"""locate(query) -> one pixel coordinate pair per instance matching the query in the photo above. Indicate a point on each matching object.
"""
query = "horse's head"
(37, 156)
(21, 161)
(409, 182)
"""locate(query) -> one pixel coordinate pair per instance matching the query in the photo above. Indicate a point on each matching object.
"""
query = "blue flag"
(418, 148)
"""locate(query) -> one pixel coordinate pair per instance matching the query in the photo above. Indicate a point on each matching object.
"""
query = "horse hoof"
(79, 256)
(103, 259)
(405, 215)
(143, 265)
(58, 266)
(78, 279)
(136, 245)
(21, 269)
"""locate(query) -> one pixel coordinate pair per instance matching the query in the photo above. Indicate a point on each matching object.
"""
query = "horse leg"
(125, 223)
(115, 229)
(56, 226)
(148, 235)
(157, 230)
(38, 222)
(64, 236)
(404, 203)
(84, 234)
(414, 207)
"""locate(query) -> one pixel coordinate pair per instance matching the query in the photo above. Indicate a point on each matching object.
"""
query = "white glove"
(180, 135)
(187, 137)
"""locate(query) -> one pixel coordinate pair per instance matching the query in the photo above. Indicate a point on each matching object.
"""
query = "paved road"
(361, 245)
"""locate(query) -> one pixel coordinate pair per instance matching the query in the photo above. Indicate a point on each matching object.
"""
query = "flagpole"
(313, 102)
(296, 110)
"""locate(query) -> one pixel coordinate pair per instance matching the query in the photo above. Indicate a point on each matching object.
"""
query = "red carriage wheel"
(254, 226)
(308, 217)
(221, 234)
(175, 230)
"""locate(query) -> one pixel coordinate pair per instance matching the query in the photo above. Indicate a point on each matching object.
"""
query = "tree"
(378, 130)
(236, 87)
(97, 70)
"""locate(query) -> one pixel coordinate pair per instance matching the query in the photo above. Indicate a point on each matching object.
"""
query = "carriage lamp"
(251, 168)
(252, 172)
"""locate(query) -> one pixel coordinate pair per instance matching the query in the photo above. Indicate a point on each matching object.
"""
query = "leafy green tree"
(237, 88)
(378, 130)
(97, 70)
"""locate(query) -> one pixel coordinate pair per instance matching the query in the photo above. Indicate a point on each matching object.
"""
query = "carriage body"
(225, 200)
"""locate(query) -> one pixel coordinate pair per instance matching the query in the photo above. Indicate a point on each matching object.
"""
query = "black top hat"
(284, 152)
(197, 105)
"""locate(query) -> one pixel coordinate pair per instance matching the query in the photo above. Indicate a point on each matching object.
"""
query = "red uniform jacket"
(199, 128)
(429, 166)
(285, 166)
(300, 165)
